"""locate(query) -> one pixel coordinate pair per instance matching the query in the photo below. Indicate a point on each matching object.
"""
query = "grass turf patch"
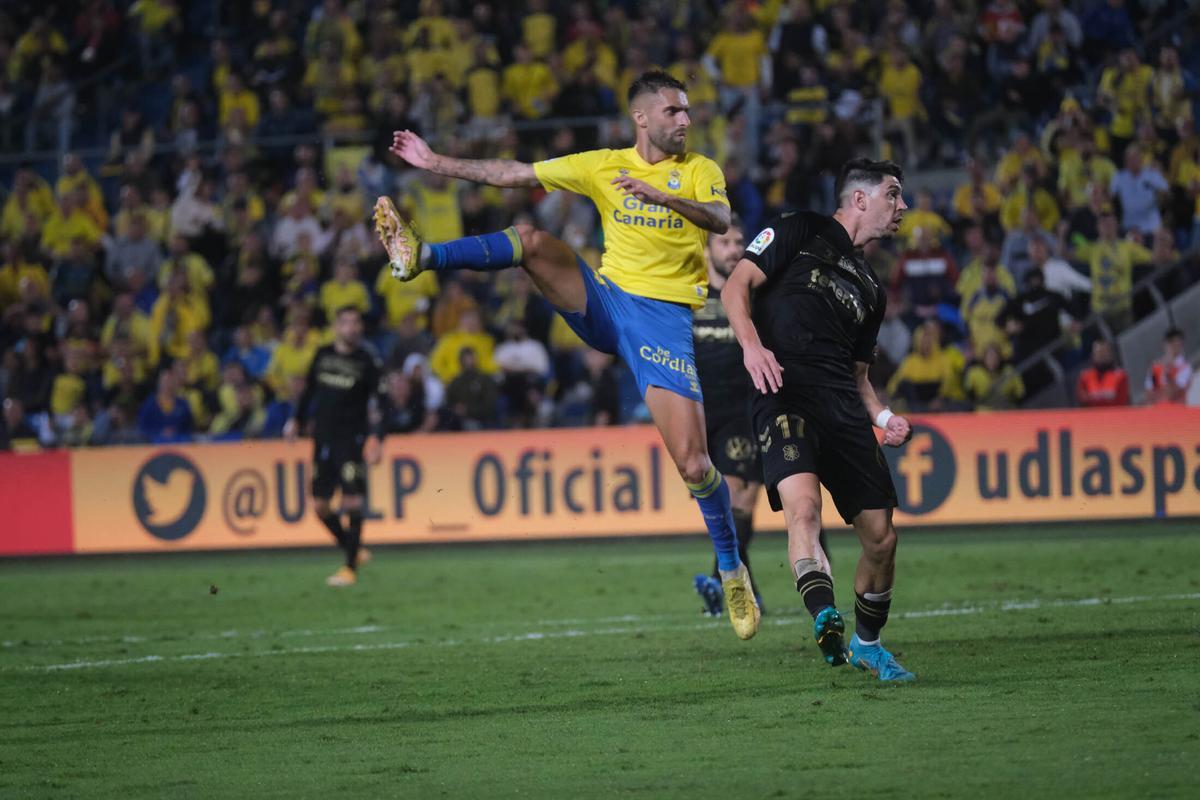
(1051, 661)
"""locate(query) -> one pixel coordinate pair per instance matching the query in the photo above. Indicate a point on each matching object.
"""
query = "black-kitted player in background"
(343, 378)
(808, 341)
(727, 392)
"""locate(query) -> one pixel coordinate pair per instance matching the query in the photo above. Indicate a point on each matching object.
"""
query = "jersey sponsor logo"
(667, 221)
(661, 356)
(762, 241)
(169, 496)
(714, 333)
(790, 452)
(718, 191)
(843, 295)
(337, 380)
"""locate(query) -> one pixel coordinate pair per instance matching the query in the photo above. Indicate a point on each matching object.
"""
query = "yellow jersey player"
(657, 203)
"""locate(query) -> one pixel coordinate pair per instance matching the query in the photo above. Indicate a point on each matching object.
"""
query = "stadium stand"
(186, 190)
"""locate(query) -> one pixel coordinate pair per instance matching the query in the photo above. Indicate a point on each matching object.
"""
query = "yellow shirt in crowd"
(1130, 93)
(738, 56)
(967, 205)
(444, 358)
(1111, 265)
(932, 223)
(530, 88)
(246, 100)
(172, 321)
(59, 232)
(11, 276)
(401, 298)
(290, 361)
(436, 212)
(336, 295)
(901, 88)
(538, 33)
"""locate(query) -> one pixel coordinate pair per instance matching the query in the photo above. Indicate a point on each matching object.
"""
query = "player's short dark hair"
(650, 82)
(865, 170)
(347, 309)
(1172, 333)
(736, 223)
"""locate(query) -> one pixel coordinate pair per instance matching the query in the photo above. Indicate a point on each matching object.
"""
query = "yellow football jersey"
(649, 250)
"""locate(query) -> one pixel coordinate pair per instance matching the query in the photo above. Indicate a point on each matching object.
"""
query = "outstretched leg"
(550, 262)
(680, 420)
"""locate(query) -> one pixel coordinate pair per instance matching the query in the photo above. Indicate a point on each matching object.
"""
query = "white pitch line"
(573, 633)
(199, 637)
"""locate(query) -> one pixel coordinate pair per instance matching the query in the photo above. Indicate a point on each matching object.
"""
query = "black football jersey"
(723, 377)
(820, 309)
(338, 392)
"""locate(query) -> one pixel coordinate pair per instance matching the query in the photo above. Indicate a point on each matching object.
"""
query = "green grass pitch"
(1053, 661)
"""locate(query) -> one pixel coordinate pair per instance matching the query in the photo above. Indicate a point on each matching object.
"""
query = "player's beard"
(669, 143)
(724, 270)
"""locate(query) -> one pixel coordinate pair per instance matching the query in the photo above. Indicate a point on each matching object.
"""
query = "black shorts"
(825, 431)
(339, 464)
(731, 444)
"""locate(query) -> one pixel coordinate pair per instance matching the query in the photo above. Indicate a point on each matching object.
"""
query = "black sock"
(743, 526)
(334, 523)
(353, 538)
(871, 613)
(817, 590)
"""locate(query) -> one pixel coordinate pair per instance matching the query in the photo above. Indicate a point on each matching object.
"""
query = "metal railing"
(871, 119)
(1148, 285)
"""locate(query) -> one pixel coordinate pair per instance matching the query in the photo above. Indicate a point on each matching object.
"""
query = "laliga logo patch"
(169, 496)
(762, 241)
(673, 184)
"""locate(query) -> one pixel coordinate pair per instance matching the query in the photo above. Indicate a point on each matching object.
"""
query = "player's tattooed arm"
(713, 216)
(495, 172)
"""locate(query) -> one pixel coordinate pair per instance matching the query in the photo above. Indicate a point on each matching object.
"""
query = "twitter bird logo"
(169, 500)
(169, 496)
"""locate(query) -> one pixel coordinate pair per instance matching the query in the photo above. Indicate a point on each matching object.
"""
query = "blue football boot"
(875, 659)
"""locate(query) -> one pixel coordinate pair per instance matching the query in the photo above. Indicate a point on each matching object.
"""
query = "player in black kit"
(727, 390)
(343, 378)
(808, 339)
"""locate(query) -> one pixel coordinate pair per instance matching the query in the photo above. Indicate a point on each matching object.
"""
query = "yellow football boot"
(399, 238)
(343, 577)
(744, 612)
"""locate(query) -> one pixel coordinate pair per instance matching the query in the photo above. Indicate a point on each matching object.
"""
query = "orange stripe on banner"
(1135, 463)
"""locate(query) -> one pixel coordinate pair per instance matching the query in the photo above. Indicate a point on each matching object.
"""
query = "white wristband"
(881, 419)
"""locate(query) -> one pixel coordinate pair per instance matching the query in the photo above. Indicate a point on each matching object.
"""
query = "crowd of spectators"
(178, 285)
